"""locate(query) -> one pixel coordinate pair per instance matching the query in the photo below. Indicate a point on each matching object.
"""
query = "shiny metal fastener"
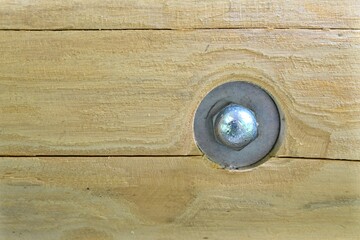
(238, 125)
(235, 126)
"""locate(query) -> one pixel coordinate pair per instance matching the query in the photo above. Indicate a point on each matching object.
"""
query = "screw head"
(216, 143)
(235, 126)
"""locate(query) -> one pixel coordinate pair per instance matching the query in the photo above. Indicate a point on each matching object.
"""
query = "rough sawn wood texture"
(72, 94)
(175, 14)
(135, 92)
(177, 198)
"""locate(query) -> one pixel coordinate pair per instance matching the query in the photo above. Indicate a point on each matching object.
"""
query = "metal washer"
(252, 97)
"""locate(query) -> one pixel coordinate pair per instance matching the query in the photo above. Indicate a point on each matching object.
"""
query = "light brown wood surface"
(175, 14)
(177, 198)
(135, 92)
(109, 116)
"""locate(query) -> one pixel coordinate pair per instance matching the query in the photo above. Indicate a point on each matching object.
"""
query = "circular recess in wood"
(238, 125)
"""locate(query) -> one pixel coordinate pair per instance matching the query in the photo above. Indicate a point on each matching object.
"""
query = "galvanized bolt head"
(235, 126)
(234, 140)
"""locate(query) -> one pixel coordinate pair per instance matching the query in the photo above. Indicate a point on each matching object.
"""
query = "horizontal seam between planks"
(317, 158)
(158, 156)
(179, 29)
(92, 156)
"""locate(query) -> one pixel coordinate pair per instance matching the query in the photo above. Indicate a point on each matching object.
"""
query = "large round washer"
(250, 96)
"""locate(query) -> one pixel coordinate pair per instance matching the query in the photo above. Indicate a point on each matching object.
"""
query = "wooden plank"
(174, 14)
(135, 92)
(177, 198)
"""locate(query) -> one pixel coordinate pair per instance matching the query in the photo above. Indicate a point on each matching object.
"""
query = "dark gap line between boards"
(158, 156)
(178, 29)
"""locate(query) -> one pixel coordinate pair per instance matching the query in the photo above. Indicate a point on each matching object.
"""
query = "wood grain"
(174, 14)
(177, 198)
(135, 92)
